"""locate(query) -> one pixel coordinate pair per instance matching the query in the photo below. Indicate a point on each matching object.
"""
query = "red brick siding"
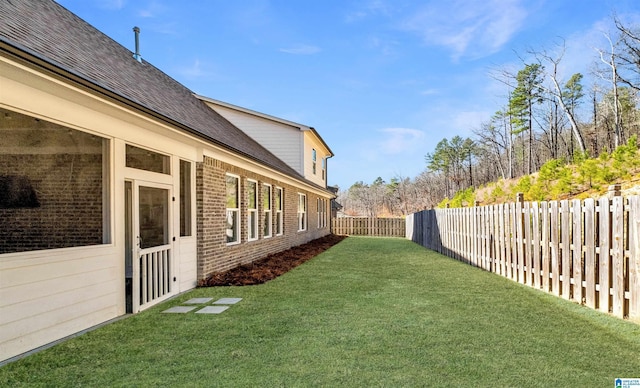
(214, 255)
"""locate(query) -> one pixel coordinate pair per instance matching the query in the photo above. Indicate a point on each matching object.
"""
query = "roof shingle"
(49, 31)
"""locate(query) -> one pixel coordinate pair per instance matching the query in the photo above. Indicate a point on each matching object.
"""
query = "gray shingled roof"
(47, 31)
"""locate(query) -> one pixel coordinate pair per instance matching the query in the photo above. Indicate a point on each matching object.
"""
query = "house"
(298, 145)
(121, 188)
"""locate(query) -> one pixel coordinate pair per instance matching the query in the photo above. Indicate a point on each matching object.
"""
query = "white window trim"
(302, 212)
(252, 213)
(280, 212)
(267, 212)
(234, 210)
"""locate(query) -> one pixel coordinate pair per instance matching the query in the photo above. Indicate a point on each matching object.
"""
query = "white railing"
(155, 280)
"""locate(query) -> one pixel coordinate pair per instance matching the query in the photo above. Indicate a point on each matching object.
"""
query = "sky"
(382, 81)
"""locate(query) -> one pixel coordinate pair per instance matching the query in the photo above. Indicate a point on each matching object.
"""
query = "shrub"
(564, 183)
(523, 186)
(588, 170)
(464, 197)
(497, 193)
(443, 203)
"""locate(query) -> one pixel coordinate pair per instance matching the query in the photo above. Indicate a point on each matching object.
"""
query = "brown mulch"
(272, 266)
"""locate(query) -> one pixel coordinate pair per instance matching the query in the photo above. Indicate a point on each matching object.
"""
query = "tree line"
(543, 118)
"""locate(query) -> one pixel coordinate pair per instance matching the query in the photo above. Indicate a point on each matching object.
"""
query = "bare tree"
(549, 64)
(609, 59)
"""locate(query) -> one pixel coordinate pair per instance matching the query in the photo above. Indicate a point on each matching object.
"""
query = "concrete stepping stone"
(198, 301)
(227, 300)
(180, 309)
(212, 310)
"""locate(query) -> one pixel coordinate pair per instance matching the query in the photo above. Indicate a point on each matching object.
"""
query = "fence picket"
(565, 249)
(634, 258)
(546, 254)
(526, 258)
(590, 268)
(617, 256)
(535, 226)
(577, 262)
(604, 254)
(554, 248)
(586, 251)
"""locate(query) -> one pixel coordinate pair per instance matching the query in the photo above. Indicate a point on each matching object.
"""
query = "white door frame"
(153, 269)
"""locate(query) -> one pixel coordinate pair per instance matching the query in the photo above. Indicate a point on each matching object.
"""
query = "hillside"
(557, 180)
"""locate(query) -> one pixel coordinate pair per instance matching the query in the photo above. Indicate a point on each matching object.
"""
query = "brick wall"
(214, 255)
(69, 192)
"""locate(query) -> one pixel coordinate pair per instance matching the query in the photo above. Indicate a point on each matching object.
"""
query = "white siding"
(311, 143)
(188, 263)
(282, 140)
(51, 294)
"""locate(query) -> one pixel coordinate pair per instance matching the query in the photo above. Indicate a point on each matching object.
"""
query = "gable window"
(313, 160)
(266, 208)
(279, 205)
(252, 210)
(302, 212)
(233, 209)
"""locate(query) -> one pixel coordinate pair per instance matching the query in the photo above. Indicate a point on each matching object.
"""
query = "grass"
(367, 312)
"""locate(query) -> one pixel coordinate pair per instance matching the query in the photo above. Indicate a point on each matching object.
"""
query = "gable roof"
(44, 32)
(301, 127)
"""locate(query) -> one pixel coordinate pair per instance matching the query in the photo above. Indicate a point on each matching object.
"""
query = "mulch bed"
(272, 266)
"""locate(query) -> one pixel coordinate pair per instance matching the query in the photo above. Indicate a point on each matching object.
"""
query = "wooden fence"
(585, 251)
(369, 226)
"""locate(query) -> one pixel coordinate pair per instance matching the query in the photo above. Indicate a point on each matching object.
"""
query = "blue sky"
(382, 81)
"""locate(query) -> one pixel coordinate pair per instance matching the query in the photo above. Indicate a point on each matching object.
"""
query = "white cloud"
(112, 4)
(468, 28)
(152, 10)
(400, 140)
(194, 70)
(301, 49)
(466, 121)
(368, 8)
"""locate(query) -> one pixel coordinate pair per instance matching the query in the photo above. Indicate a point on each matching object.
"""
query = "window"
(302, 212)
(185, 198)
(324, 168)
(266, 208)
(252, 210)
(313, 160)
(233, 209)
(279, 204)
(147, 160)
(54, 185)
(322, 213)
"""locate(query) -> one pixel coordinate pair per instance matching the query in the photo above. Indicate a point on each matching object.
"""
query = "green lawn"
(367, 312)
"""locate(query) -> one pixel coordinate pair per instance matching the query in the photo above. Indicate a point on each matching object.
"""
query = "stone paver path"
(218, 307)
